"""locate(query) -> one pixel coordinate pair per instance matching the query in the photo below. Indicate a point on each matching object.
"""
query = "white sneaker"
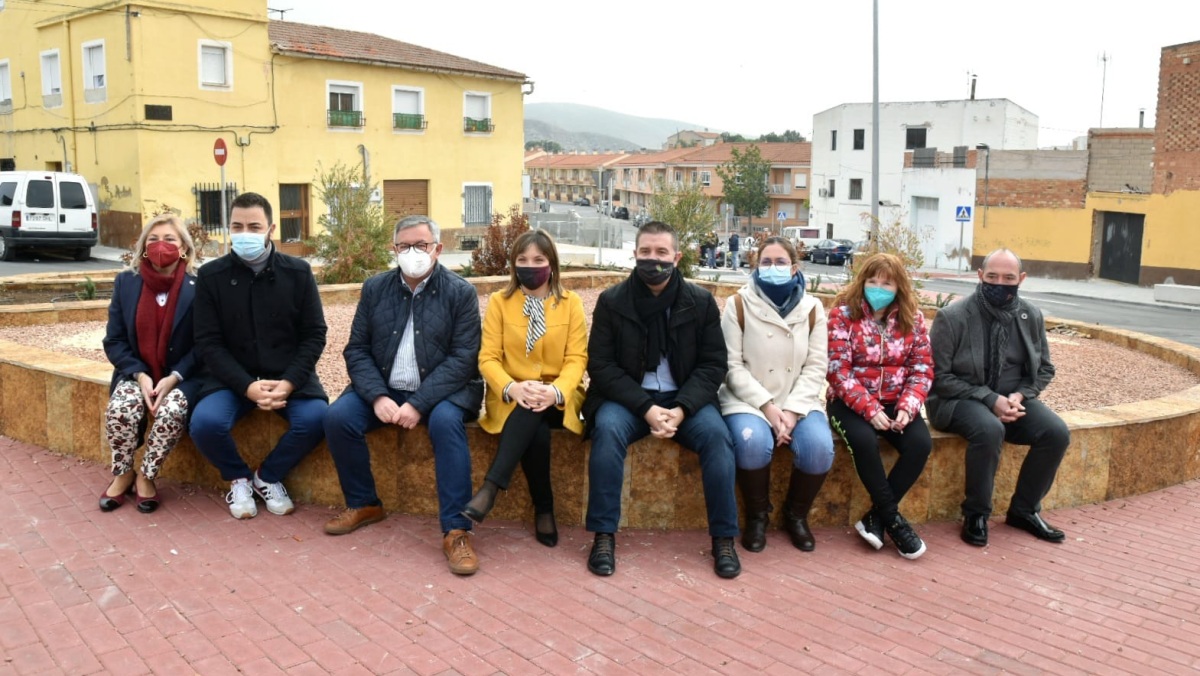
(275, 495)
(241, 500)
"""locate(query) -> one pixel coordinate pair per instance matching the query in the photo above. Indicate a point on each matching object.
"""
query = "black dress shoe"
(603, 559)
(1035, 526)
(725, 558)
(975, 530)
(545, 530)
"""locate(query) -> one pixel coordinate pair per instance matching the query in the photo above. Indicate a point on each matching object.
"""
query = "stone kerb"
(58, 401)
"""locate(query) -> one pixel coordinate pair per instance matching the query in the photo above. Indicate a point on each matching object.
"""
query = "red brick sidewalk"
(188, 589)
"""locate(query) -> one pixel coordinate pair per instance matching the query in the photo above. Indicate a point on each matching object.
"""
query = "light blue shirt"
(659, 380)
(406, 375)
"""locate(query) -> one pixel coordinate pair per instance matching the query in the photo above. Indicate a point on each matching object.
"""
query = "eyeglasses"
(779, 262)
(423, 247)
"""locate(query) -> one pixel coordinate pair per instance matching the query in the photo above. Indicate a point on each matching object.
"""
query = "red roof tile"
(288, 37)
(576, 161)
(775, 153)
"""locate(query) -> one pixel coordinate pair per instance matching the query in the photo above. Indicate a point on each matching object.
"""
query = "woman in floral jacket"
(880, 371)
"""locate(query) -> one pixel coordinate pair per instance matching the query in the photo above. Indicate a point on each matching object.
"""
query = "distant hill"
(606, 126)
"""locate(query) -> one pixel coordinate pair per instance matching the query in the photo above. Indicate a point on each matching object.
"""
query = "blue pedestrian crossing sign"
(963, 214)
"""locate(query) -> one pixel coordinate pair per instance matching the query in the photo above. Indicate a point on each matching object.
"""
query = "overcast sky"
(754, 66)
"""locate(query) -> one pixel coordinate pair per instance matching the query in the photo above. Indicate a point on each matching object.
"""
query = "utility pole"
(1104, 59)
(875, 130)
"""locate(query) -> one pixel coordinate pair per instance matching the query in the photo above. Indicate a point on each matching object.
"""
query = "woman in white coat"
(772, 394)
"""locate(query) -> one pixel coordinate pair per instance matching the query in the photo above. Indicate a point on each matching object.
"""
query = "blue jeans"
(346, 426)
(212, 426)
(733, 257)
(754, 442)
(712, 257)
(703, 432)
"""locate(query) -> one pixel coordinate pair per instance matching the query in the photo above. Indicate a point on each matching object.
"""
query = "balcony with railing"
(346, 118)
(781, 189)
(480, 125)
(410, 121)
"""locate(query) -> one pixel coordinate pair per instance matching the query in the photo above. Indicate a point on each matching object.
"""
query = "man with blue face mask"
(991, 361)
(260, 330)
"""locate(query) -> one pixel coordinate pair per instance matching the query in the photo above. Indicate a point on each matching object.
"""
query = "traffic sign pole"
(220, 153)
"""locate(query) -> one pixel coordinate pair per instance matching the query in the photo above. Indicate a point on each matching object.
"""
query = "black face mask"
(654, 272)
(999, 295)
(533, 278)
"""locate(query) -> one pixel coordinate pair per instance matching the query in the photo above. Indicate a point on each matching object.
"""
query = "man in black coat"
(656, 357)
(413, 357)
(259, 332)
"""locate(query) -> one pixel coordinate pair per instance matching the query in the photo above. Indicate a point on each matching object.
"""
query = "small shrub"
(814, 284)
(466, 269)
(87, 289)
(943, 301)
(491, 256)
(357, 238)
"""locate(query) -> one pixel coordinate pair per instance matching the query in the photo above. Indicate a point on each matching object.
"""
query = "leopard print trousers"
(123, 421)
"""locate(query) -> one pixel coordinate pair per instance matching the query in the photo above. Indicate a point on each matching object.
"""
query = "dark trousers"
(1040, 428)
(525, 439)
(913, 444)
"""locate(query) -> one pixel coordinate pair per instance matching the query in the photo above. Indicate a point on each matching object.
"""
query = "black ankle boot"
(755, 485)
(802, 491)
(481, 505)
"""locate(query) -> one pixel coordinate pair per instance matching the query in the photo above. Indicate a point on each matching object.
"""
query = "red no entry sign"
(219, 152)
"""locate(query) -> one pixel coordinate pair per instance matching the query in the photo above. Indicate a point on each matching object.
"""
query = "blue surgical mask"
(248, 245)
(773, 274)
(878, 297)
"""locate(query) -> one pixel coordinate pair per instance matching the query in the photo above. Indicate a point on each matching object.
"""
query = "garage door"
(405, 198)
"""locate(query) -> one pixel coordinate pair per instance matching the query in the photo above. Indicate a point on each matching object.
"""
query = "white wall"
(997, 122)
(952, 188)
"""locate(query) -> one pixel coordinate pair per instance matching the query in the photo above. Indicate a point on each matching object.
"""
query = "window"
(93, 72)
(829, 229)
(833, 139)
(678, 176)
(40, 194)
(7, 191)
(477, 112)
(345, 104)
(855, 189)
(705, 178)
(51, 79)
(832, 185)
(70, 195)
(408, 108)
(477, 204)
(801, 180)
(208, 203)
(216, 65)
(914, 137)
(860, 139)
(5, 87)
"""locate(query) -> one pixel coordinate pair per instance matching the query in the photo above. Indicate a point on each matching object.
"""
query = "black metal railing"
(408, 121)
(208, 203)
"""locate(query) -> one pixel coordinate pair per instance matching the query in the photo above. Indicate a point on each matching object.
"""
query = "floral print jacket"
(869, 368)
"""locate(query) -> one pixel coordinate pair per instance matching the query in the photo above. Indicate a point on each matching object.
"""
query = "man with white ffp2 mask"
(413, 357)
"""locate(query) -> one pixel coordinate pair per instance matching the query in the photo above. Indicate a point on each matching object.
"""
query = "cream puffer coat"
(775, 358)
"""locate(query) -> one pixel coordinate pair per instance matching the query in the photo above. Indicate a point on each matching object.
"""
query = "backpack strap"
(737, 305)
(812, 318)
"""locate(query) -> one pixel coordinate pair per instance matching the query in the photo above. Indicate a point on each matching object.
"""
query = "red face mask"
(162, 253)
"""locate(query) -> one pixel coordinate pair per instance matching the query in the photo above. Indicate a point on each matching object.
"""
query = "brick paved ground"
(188, 589)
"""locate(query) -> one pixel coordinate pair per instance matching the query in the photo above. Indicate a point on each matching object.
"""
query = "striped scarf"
(535, 310)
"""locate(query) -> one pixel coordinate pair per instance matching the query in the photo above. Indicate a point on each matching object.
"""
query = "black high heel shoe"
(545, 529)
(481, 505)
(146, 505)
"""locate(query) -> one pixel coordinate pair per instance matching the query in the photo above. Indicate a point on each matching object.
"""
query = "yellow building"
(134, 97)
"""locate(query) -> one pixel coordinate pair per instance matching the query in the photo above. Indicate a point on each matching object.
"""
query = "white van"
(46, 210)
(804, 238)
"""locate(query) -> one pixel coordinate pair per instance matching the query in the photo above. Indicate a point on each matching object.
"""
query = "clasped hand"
(533, 395)
(391, 413)
(664, 422)
(1009, 409)
(782, 422)
(269, 395)
(153, 393)
(883, 423)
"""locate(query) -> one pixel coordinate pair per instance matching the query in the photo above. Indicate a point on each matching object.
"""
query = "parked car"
(620, 212)
(861, 248)
(583, 202)
(46, 210)
(830, 251)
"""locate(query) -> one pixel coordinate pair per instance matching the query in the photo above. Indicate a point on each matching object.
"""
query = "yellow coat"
(559, 357)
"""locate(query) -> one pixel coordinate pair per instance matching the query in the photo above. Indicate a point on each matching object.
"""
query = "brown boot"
(460, 553)
(756, 497)
(802, 491)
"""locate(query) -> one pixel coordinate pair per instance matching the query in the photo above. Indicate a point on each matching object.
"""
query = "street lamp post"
(987, 165)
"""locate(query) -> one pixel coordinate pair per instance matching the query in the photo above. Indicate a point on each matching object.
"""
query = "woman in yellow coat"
(533, 357)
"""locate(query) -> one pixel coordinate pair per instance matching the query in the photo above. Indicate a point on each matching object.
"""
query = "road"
(45, 262)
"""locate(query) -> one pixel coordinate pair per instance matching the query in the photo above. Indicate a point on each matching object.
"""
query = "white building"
(941, 136)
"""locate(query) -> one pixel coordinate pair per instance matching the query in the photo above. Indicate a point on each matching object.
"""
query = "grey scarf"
(1002, 323)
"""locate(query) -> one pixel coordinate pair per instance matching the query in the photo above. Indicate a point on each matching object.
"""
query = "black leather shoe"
(725, 558)
(1035, 526)
(975, 530)
(603, 559)
(545, 530)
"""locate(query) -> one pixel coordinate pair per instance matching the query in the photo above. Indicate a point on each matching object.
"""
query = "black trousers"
(525, 439)
(1040, 428)
(913, 444)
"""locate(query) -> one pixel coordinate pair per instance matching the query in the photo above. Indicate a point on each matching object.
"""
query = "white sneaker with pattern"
(241, 500)
(275, 495)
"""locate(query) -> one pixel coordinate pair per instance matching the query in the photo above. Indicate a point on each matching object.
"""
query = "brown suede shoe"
(353, 519)
(460, 553)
